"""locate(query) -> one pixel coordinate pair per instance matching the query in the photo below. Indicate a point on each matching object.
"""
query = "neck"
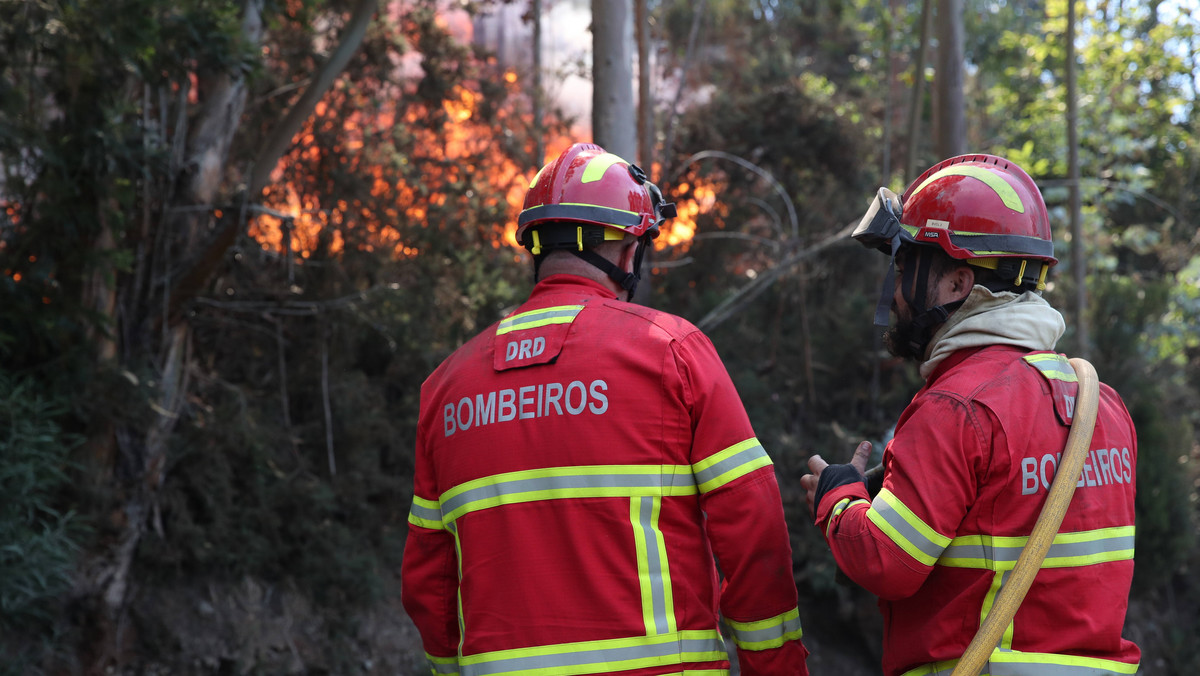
(564, 263)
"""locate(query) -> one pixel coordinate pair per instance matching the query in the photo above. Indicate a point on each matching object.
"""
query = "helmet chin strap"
(626, 280)
(925, 320)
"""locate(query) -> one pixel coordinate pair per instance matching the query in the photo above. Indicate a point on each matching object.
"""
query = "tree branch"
(739, 299)
(281, 137)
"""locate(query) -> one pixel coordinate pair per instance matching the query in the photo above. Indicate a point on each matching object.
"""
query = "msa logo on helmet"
(525, 349)
(932, 230)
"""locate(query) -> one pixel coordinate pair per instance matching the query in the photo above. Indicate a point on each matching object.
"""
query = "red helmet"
(981, 209)
(588, 186)
(978, 207)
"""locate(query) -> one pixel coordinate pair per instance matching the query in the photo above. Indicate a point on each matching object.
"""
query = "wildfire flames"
(458, 146)
(463, 140)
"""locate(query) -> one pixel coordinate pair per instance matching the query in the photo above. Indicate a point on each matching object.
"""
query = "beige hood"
(1003, 318)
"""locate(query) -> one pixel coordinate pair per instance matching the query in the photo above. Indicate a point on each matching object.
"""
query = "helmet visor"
(881, 224)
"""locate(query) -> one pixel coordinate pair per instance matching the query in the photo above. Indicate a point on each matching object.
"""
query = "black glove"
(834, 476)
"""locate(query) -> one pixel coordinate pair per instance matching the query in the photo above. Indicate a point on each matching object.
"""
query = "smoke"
(566, 52)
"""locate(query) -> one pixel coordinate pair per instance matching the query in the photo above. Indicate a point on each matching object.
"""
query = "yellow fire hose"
(1030, 561)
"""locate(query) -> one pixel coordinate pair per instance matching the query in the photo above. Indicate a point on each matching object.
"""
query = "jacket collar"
(568, 283)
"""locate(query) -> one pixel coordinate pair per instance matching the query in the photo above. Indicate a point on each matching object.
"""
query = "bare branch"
(739, 299)
(747, 164)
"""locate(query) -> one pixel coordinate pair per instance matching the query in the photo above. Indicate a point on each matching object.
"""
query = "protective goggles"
(880, 229)
(880, 226)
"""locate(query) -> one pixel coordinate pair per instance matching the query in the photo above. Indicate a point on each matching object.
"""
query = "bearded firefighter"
(974, 453)
(580, 462)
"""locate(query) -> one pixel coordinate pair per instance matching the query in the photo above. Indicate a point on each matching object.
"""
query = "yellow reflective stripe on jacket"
(442, 666)
(426, 513)
(604, 656)
(585, 481)
(724, 466)
(906, 529)
(654, 576)
(999, 577)
(1054, 366)
(1017, 663)
(766, 634)
(1083, 548)
(841, 506)
(560, 314)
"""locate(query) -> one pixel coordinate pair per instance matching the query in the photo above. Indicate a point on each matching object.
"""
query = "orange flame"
(692, 200)
(466, 148)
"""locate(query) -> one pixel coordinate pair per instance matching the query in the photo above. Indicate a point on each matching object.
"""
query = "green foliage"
(39, 542)
(74, 149)
(1127, 314)
(235, 512)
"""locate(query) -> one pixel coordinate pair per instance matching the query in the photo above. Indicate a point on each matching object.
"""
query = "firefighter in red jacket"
(973, 454)
(580, 463)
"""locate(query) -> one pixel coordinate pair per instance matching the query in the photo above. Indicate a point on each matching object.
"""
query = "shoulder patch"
(533, 337)
(1064, 384)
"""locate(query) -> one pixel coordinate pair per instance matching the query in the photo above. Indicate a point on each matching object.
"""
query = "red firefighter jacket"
(578, 466)
(966, 476)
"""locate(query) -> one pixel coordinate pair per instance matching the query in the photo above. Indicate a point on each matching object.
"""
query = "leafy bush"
(38, 541)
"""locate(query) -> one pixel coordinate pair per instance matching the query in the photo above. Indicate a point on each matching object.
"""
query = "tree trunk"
(1078, 255)
(613, 124)
(645, 103)
(951, 127)
(539, 129)
(918, 93)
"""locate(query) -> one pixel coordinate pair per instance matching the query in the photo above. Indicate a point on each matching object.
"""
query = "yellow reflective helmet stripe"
(594, 171)
(1054, 366)
(654, 577)
(1003, 189)
(729, 464)
(537, 176)
(906, 529)
(1067, 550)
(425, 513)
(603, 656)
(585, 481)
(766, 634)
(559, 314)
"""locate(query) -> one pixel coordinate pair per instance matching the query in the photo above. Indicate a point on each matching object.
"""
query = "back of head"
(587, 197)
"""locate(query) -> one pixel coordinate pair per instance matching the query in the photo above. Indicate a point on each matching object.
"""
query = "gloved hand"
(826, 477)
